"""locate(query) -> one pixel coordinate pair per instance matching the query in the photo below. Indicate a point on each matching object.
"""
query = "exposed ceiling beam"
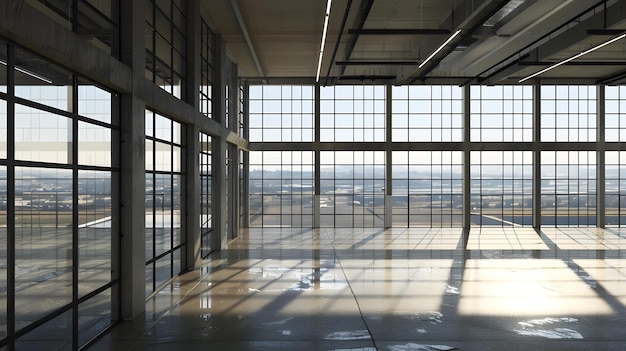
(364, 11)
(605, 31)
(558, 40)
(246, 35)
(574, 63)
(399, 31)
(376, 63)
(343, 25)
(617, 78)
(471, 23)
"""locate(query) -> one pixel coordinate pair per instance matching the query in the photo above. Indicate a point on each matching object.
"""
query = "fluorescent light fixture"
(319, 62)
(29, 73)
(440, 48)
(573, 57)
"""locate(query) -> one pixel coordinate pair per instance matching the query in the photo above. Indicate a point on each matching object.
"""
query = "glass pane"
(37, 79)
(3, 245)
(94, 316)
(94, 145)
(94, 102)
(53, 335)
(94, 230)
(3, 129)
(42, 136)
(43, 241)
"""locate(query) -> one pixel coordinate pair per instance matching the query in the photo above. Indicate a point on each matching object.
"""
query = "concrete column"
(316, 159)
(467, 217)
(219, 183)
(600, 159)
(537, 157)
(234, 190)
(193, 198)
(193, 256)
(132, 166)
(132, 209)
(246, 158)
(388, 160)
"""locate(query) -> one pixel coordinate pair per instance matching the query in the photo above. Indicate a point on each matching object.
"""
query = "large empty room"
(333, 175)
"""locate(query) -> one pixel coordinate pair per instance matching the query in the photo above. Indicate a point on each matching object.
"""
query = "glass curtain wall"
(352, 113)
(501, 113)
(506, 144)
(501, 188)
(93, 19)
(427, 188)
(568, 188)
(427, 113)
(615, 188)
(57, 186)
(166, 32)
(281, 188)
(280, 113)
(615, 133)
(352, 187)
(164, 184)
(207, 68)
(568, 113)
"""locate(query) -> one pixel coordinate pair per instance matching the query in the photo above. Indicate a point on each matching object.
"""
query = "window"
(568, 113)
(165, 45)
(352, 113)
(63, 172)
(615, 188)
(352, 189)
(427, 114)
(615, 120)
(568, 188)
(164, 176)
(501, 188)
(281, 188)
(281, 113)
(207, 69)
(501, 113)
(427, 188)
(206, 205)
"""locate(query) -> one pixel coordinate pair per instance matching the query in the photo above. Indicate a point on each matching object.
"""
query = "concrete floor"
(396, 289)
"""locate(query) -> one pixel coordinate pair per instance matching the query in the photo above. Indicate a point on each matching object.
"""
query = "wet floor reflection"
(371, 289)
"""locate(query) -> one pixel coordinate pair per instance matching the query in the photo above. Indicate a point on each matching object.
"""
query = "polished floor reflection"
(396, 289)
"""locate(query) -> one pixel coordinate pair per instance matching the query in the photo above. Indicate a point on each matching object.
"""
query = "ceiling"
(500, 41)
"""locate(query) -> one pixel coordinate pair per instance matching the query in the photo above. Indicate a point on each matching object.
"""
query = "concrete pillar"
(245, 222)
(600, 158)
(193, 199)
(388, 160)
(132, 166)
(219, 184)
(132, 209)
(467, 217)
(193, 255)
(537, 157)
(316, 160)
(235, 197)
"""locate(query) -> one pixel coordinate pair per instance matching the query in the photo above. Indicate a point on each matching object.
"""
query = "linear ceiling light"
(440, 48)
(573, 57)
(29, 73)
(319, 63)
